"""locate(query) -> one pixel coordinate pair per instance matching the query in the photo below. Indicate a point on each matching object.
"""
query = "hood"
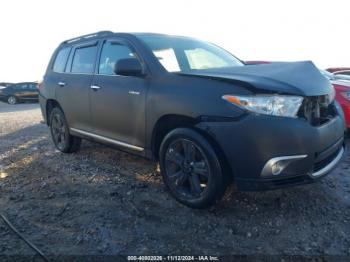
(295, 78)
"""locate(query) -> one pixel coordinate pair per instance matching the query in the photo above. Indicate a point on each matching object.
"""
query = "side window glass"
(111, 53)
(84, 60)
(61, 60)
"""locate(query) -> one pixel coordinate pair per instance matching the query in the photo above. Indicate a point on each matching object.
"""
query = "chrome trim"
(95, 87)
(108, 140)
(266, 171)
(131, 92)
(330, 166)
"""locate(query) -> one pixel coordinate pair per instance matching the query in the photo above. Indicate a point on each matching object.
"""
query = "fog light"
(276, 165)
(277, 168)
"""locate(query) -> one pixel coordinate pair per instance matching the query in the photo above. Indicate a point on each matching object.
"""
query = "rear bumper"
(249, 143)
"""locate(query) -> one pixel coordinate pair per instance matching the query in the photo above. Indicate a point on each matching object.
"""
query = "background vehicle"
(206, 117)
(20, 92)
(343, 72)
(4, 85)
(337, 69)
(342, 89)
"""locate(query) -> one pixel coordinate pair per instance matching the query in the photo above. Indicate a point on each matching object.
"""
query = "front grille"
(317, 110)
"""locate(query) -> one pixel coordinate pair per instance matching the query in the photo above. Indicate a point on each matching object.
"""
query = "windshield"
(342, 77)
(181, 54)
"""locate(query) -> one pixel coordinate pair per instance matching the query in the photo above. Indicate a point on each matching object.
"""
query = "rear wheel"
(191, 169)
(59, 128)
(12, 100)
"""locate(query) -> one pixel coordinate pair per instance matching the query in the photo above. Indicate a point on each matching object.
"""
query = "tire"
(61, 137)
(183, 172)
(12, 100)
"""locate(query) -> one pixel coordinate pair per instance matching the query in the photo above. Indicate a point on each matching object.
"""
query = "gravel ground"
(101, 201)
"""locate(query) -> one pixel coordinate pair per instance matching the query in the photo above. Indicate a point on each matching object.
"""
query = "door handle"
(61, 84)
(95, 88)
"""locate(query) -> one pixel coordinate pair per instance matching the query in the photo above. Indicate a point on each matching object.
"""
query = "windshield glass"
(342, 77)
(181, 54)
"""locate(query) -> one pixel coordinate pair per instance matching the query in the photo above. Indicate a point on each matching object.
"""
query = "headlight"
(346, 95)
(277, 105)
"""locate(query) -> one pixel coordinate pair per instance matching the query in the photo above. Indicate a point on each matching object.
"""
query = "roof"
(101, 34)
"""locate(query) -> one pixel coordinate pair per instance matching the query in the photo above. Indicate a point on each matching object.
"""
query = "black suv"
(20, 92)
(208, 118)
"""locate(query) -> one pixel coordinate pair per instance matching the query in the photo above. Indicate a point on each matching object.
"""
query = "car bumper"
(255, 141)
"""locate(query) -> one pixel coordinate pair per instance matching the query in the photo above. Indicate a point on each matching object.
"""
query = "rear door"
(73, 89)
(118, 102)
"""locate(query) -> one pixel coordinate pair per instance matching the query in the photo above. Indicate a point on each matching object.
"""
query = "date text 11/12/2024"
(172, 258)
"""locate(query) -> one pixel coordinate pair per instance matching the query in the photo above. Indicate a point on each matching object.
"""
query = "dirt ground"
(101, 201)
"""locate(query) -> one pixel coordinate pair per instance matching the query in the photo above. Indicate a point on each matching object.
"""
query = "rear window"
(84, 60)
(61, 60)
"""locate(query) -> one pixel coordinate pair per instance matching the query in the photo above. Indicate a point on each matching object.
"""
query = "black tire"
(12, 100)
(61, 137)
(182, 171)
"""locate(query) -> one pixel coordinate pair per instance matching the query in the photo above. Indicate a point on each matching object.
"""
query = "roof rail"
(93, 35)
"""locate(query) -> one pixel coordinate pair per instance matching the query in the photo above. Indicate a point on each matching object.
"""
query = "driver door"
(118, 102)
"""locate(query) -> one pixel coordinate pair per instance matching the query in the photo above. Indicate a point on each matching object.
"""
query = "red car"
(342, 88)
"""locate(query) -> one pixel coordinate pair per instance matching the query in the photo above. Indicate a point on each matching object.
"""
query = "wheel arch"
(167, 123)
(51, 104)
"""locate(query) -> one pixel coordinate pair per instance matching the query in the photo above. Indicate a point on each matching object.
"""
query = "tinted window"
(111, 53)
(84, 60)
(61, 60)
(20, 86)
(32, 86)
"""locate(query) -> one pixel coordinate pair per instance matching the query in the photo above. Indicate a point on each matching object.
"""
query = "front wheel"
(12, 100)
(59, 128)
(191, 169)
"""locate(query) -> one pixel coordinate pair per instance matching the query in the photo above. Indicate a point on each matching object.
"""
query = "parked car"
(342, 89)
(20, 92)
(337, 69)
(345, 78)
(342, 72)
(206, 117)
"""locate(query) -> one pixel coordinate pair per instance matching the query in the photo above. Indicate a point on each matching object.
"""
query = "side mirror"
(128, 67)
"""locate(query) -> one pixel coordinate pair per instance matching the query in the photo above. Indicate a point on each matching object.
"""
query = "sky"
(274, 30)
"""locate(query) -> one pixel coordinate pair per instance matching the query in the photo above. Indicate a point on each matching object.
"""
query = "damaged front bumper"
(268, 152)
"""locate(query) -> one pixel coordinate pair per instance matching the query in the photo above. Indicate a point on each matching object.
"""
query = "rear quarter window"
(61, 60)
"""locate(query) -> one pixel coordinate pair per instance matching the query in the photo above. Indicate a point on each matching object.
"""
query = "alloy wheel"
(59, 131)
(187, 168)
(12, 100)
